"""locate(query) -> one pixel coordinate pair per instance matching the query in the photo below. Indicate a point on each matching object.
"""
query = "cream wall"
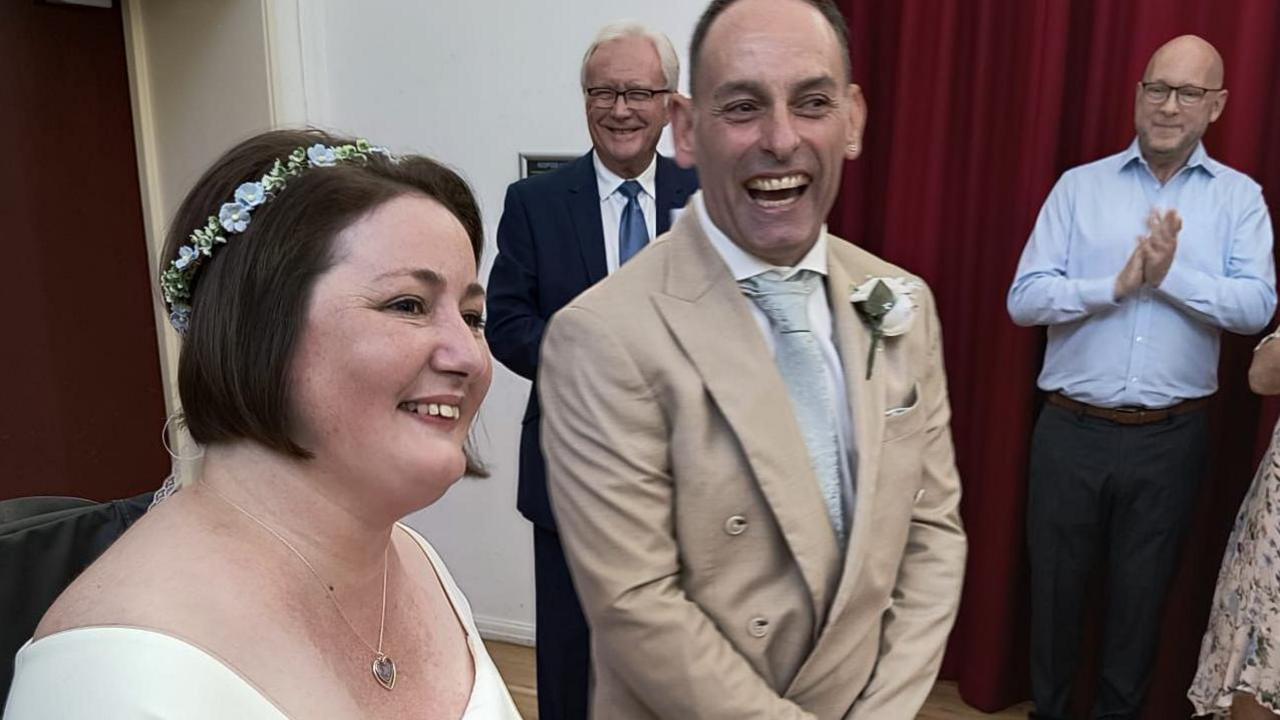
(199, 81)
(471, 83)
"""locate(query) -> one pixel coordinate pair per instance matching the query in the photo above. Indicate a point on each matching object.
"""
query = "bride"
(333, 360)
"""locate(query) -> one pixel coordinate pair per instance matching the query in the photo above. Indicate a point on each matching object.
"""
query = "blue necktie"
(799, 360)
(633, 235)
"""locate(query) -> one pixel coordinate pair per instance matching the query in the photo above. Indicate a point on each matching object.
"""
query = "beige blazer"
(694, 526)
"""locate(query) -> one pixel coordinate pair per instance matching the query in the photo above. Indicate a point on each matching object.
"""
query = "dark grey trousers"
(1120, 495)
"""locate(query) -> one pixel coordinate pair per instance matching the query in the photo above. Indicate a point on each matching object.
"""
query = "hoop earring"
(164, 439)
(170, 484)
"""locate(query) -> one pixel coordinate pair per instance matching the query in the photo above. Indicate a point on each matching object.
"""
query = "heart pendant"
(384, 671)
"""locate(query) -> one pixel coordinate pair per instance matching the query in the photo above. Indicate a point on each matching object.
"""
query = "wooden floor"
(519, 670)
(516, 664)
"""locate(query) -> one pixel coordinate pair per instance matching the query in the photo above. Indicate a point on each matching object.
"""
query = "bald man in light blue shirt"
(1158, 345)
(1136, 264)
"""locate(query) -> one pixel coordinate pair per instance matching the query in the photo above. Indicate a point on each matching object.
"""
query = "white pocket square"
(912, 401)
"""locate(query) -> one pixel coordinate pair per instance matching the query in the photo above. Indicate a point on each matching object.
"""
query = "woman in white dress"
(332, 363)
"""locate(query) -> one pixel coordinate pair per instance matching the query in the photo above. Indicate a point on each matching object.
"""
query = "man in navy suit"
(560, 233)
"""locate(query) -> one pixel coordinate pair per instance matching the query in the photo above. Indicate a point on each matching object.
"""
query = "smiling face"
(1169, 131)
(626, 137)
(392, 366)
(772, 124)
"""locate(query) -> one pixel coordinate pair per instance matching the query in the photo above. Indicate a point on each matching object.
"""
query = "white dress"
(128, 673)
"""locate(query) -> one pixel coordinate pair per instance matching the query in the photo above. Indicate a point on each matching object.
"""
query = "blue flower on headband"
(321, 155)
(234, 217)
(251, 195)
(180, 318)
(177, 280)
(186, 256)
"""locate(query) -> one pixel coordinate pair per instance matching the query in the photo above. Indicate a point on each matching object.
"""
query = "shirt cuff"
(1097, 294)
(1179, 283)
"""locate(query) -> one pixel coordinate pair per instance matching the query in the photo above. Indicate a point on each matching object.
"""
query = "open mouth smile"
(432, 410)
(777, 192)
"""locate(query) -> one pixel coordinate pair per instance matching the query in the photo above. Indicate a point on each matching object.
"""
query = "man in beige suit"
(753, 478)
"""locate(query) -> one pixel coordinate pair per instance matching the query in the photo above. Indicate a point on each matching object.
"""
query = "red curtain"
(81, 399)
(976, 108)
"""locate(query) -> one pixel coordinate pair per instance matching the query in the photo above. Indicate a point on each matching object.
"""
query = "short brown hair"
(717, 7)
(249, 299)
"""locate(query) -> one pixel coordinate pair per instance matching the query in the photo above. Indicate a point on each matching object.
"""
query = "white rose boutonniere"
(886, 306)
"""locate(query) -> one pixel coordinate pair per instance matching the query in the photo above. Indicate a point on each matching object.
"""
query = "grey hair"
(631, 28)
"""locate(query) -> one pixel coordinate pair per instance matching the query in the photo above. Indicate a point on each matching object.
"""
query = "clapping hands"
(1151, 259)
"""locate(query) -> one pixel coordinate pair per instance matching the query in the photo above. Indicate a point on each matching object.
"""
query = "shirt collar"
(608, 182)
(743, 264)
(1131, 154)
(1199, 158)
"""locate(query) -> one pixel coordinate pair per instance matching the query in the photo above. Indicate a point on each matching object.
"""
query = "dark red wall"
(81, 402)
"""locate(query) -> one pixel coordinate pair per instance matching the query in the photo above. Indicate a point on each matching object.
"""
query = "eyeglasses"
(1157, 93)
(604, 98)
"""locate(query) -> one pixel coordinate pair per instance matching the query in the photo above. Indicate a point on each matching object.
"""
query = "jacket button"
(735, 525)
(758, 627)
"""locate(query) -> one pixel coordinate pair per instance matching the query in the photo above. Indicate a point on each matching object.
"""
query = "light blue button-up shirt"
(1158, 346)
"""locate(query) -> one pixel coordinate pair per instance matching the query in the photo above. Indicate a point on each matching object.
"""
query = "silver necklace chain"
(384, 670)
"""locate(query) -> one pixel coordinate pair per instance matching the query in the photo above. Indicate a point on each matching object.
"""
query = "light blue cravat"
(799, 359)
(633, 234)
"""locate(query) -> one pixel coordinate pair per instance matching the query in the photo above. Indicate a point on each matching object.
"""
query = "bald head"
(1169, 114)
(1194, 60)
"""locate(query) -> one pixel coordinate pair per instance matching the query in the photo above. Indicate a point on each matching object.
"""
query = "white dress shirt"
(744, 265)
(613, 202)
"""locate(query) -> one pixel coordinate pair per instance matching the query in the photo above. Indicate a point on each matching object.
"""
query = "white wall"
(472, 83)
(198, 83)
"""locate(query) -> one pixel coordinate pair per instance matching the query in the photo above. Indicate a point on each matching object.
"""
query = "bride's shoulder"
(166, 566)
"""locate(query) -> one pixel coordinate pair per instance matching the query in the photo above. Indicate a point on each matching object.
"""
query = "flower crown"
(233, 218)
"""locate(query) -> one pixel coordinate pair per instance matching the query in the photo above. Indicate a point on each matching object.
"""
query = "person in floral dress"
(1239, 671)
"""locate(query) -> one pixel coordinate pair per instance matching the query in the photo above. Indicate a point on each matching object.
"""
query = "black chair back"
(28, 507)
(44, 544)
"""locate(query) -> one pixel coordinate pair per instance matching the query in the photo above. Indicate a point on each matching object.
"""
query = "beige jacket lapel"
(867, 402)
(711, 321)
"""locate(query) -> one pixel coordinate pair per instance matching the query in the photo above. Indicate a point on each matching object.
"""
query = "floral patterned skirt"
(1238, 653)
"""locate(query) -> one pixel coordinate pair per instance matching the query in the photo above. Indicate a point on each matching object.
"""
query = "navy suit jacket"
(550, 249)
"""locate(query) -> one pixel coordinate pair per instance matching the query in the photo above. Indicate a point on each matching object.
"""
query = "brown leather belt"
(1127, 416)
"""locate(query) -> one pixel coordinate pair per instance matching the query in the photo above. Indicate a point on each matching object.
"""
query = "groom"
(756, 492)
